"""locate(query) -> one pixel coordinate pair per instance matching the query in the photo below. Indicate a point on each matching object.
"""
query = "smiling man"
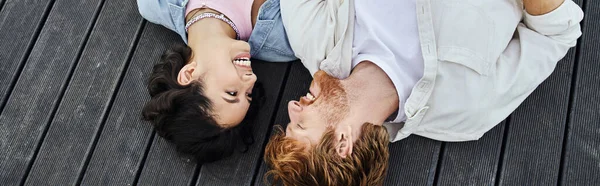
(448, 70)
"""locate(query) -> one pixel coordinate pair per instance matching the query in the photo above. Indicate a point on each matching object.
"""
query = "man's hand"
(541, 7)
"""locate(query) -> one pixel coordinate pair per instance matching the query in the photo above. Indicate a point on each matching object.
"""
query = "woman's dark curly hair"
(182, 114)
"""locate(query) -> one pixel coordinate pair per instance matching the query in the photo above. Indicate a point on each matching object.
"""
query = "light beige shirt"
(482, 58)
(320, 33)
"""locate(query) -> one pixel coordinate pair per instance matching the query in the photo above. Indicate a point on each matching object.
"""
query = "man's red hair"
(293, 163)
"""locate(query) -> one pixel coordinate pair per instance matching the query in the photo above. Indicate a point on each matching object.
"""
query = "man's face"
(324, 106)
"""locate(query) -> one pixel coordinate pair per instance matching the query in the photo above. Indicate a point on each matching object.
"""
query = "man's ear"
(344, 141)
(185, 76)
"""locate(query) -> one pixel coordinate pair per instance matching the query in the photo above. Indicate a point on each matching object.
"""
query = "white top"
(481, 58)
(386, 33)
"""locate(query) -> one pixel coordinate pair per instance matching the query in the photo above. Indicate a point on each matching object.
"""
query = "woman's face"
(223, 65)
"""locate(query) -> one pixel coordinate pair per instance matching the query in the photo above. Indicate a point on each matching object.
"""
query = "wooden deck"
(72, 84)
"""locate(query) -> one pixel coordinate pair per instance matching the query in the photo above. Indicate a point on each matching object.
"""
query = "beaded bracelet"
(213, 15)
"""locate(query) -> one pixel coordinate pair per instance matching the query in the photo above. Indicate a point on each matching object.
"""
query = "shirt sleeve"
(268, 40)
(165, 13)
(560, 25)
(320, 33)
(539, 43)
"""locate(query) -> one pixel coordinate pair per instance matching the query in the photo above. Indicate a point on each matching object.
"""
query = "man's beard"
(332, 100)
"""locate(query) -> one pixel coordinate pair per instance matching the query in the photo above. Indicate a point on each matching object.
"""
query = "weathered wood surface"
(20, 26)
(72, 85)
(581, 149)
(57, 39)
(88, 97)
(163, 166)
(473, 162)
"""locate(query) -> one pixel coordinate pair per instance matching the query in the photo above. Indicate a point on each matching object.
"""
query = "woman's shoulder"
(268, 40)
(168, 13)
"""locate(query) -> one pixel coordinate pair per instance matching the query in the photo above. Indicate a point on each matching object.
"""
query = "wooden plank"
(1, 4)
(413, 161)
(297, 85)
(164, 166)
(535, 132)
(89, 93)
(20, 23)
(41, 85)
(243, 165)
(473, 162)
(582, 157)
(121, 148)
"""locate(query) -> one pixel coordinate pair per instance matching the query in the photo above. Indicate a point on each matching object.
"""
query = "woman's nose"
(249, 77)
(294, 110)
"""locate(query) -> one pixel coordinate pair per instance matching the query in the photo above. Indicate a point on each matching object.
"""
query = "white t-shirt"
(386, 33)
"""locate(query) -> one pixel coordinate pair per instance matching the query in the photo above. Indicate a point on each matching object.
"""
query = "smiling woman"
(186, 117)
(203, 94)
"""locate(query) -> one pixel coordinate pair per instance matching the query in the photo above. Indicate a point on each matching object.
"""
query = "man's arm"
(541, 7)
(539, 43)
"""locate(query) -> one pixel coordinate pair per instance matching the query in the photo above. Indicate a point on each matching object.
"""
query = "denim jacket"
(268, 40)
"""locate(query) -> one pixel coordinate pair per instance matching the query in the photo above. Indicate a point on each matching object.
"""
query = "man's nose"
(294, 110)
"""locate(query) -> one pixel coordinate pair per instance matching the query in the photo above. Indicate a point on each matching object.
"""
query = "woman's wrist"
(541, 7)
(197, 11)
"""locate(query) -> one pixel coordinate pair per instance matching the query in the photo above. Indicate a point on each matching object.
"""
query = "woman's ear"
(344, 141)
(185, 76)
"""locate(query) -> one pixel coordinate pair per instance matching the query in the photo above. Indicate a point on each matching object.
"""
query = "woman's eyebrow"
(236, 100)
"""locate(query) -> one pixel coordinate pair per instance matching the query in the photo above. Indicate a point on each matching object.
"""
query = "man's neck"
(371, 93)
